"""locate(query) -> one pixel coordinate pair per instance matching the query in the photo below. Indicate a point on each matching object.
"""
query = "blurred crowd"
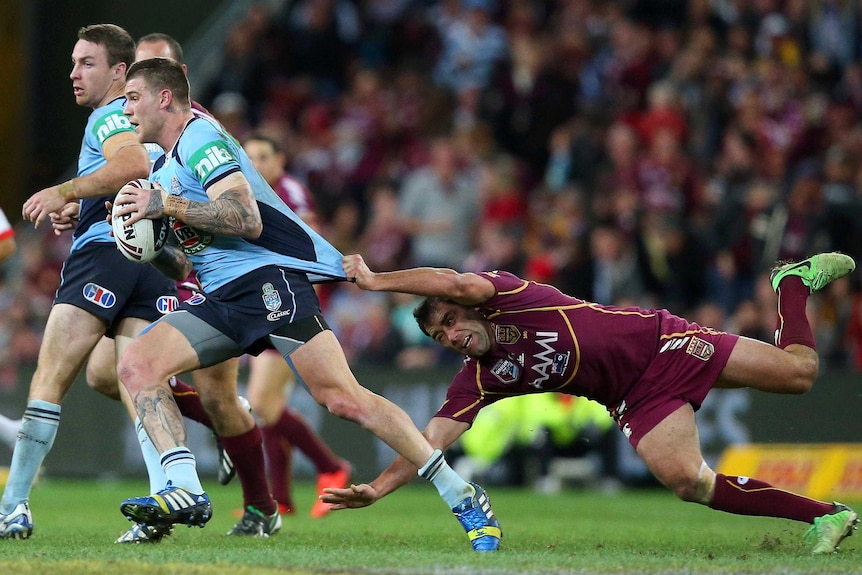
(661, 153)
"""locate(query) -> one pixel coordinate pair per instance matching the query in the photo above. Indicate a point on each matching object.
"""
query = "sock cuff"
(43, 411)
(176, 456)
(432, 466)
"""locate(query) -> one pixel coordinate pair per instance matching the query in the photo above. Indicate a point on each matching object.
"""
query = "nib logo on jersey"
(110, 124)
(209, 157)
(272, 301)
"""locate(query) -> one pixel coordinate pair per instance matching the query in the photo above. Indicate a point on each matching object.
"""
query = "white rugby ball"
(143, 240)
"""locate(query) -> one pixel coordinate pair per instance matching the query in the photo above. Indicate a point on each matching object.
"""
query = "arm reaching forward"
(441, 433)
(463, 288)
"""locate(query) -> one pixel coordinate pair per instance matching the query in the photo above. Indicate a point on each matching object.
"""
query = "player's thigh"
(322, 366)
(70, 335)
(671, 449)
(267, 378)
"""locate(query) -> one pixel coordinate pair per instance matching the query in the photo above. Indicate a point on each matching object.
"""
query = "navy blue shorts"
(249, 309)
(99, 279)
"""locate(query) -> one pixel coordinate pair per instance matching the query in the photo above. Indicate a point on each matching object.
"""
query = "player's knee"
(107, 386)
(342, 405)
(134, 373)
(687, 488)
(808, 368)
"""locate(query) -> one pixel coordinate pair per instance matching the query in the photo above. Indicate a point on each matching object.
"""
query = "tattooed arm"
(172, 262)
(231, 211)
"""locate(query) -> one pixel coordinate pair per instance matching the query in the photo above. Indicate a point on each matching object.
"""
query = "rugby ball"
(143, 240)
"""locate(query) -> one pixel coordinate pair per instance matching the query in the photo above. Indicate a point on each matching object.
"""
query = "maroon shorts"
(684, 371)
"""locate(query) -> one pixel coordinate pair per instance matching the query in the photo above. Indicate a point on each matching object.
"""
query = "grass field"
(412, 532)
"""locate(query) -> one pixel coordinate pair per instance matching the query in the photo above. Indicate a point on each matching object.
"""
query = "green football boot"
(831, 529)
(816, 271)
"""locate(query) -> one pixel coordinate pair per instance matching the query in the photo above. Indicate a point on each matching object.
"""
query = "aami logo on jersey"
(167, 303)
(209, 157)
(98, 295)
(506, 371)
(192, 241)
(112, 123)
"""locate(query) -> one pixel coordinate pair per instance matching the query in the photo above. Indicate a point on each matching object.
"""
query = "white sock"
(451, 486)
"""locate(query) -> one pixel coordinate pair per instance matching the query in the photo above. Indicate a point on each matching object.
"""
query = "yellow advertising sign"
(824, 471)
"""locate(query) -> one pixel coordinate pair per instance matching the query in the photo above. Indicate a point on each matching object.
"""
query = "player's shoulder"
(108, 120)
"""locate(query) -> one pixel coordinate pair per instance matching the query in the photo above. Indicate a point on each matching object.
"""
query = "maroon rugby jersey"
(549, 341)
(295, 195)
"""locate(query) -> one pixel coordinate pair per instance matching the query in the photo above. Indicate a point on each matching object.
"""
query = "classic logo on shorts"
(192, 241)
(98, 295)
(506, 371)
(272, 301)
(197, 299)
(700, 349)
(210, 157)
(111, 124)
(506, 333)
(167, 303)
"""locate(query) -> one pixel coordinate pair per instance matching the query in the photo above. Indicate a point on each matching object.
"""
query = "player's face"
(142, 109)
(92, 77)
(269, 163)
(461, 329)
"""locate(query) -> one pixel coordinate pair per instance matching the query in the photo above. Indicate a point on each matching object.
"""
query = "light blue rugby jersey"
(103, 123)
(205, 154)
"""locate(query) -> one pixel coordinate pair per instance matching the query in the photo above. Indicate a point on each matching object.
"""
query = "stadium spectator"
(520, 338)
(270, 379)
(248, 269)
(101, 292)
(439, 206)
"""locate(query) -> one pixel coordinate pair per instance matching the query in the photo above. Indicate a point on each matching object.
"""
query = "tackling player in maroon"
(651, 369)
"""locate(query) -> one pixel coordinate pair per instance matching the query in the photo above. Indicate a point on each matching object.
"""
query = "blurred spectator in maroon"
(231, 110)
(663, 113)
(500, 196)
(617, 175)
(667, 179)
(802, 216)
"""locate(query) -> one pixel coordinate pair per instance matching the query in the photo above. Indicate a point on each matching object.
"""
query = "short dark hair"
(160, 74)
(117, 42)
(423, 311)
(261, 137)
(174, 47)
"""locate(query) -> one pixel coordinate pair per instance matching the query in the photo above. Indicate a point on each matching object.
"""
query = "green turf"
(412, 532)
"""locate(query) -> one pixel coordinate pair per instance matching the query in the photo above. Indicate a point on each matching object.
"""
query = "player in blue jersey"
(257, 261)
(650, 368)
(100, 291)
(243, 450)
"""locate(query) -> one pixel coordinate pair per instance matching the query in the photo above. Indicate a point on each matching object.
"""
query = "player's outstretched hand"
(352, 497)
(38, 206)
